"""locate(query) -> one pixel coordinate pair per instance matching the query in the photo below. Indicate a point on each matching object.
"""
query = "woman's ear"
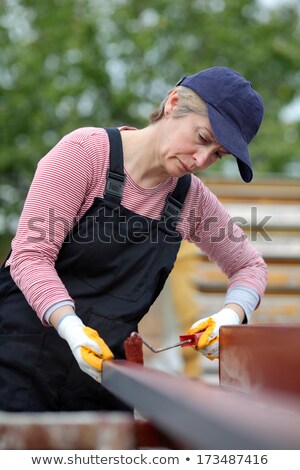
(172, 102)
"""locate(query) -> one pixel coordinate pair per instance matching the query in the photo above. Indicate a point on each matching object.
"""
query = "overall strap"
(175, 202)
(115, 178)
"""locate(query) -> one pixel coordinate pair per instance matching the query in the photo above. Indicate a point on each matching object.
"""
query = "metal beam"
(86, 430)
(67, 430)
(199, 415)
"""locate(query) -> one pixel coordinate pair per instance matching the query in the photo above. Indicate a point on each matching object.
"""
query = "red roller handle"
(194, 339)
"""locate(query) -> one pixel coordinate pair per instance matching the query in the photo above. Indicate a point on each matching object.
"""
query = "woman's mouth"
(183, 166)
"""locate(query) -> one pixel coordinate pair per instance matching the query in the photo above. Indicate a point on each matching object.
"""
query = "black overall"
(114, 264)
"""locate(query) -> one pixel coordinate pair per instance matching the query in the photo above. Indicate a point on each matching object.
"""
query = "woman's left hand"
(208, 343)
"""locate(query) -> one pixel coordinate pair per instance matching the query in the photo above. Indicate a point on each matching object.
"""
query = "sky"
(276, 3)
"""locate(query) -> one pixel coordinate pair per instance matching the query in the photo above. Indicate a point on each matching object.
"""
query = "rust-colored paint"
(260, 358)
(67, 431)
(149, 436)
(134, 349)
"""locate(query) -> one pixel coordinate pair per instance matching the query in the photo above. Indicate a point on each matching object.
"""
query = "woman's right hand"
(86, 345)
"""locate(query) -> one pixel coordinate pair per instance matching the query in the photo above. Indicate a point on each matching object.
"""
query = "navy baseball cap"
(235, 110)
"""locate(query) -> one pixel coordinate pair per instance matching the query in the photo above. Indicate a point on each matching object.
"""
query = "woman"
(99, 234)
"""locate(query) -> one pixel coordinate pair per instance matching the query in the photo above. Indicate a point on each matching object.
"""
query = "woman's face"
(188, 145)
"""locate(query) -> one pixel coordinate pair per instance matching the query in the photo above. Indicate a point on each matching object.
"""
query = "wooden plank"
(281, 278)
(274, 215)
(262, 190)
(272, 309)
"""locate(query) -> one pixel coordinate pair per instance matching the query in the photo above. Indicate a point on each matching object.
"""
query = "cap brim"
(229, 137)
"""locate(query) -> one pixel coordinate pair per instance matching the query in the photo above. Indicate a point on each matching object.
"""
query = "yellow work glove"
(208, 343)
(86, 345)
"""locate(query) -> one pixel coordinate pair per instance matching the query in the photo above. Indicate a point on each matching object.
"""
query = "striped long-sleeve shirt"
(65, 184)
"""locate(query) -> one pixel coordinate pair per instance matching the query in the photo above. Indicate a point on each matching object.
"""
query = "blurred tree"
(72, 63)
(165, 40)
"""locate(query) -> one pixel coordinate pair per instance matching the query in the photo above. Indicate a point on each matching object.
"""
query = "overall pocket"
(19, 355)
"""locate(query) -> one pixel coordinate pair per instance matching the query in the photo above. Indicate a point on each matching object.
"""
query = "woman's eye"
(202, 138)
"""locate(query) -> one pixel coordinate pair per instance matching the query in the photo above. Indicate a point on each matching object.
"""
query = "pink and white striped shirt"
(65, 184)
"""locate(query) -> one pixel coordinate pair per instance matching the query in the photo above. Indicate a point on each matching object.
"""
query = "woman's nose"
(201, 156)
(206, 155)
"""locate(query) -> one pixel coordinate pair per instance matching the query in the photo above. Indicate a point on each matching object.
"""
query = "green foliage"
(71, 63)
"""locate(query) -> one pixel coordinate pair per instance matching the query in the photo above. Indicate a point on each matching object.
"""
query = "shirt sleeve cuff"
(246, 297)
(54, 307)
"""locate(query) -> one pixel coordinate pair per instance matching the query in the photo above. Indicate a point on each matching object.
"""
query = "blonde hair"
(188, 102)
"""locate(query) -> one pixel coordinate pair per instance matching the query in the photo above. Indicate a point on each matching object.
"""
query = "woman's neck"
(142, 157)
